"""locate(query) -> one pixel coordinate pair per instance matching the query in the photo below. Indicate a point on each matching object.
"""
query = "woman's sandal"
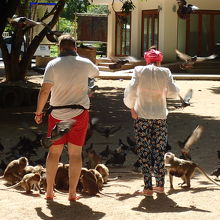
(158, 189)
(146, 192)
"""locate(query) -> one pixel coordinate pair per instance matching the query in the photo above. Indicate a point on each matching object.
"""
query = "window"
(150, 27)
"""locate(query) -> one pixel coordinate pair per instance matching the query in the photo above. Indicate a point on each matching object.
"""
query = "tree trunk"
(16, 67)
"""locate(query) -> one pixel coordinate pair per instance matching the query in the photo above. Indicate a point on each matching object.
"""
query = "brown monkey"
(34, 169)
(28, 181)
(43, 182)
(89, 183)
(99, 178)
(62, 177)
(182, 168)
(15, 170)
(94, 159)
(103, 169)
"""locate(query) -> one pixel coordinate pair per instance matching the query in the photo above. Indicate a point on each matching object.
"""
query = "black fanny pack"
(51, 108)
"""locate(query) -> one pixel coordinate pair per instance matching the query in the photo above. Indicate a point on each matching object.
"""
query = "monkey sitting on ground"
(103, 169)
(99, 179)
(89, 183)
(28, 181)
(183, 169)
(34, 169)
(62, 177)
(15, 170)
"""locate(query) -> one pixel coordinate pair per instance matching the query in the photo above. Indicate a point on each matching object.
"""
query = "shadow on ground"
(75, 210)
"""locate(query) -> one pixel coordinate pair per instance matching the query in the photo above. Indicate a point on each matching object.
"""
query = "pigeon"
(216, 171)
(106, 152)
(218, 154)
(186, 100)
(3, 165)
(23, 22)
(107, 130)
(1, 146)
(189, 61)
(90, 148)
(168, 147)
(136, 166)
(117, 64)
(190, 140)
(184, 10)
(117, 158)
(132, 144)
(122, 147)
(59, 130)
(92, 124)
(91, 87)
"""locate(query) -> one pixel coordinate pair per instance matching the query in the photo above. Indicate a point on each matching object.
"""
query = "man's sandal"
(74, 198)
(49, 197)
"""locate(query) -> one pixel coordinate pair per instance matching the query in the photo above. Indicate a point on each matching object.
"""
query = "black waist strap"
(51, 108)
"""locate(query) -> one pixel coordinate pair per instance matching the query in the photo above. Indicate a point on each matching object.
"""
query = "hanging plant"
(127, 6)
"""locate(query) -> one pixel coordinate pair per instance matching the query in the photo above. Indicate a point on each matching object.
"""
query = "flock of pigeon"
(110, 157)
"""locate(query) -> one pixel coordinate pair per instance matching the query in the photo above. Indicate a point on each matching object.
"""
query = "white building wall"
(167, 23)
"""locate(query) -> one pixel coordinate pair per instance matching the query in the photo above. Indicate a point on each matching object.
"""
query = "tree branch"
(26, 59)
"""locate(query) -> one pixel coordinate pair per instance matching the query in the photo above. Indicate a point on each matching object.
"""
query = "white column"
(168, 29)
(136, 31)
(111, 33)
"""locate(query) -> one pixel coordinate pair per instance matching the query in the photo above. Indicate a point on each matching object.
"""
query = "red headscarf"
(153, 56)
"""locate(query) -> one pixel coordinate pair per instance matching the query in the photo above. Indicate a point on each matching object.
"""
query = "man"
(66, 78)
(146, 97)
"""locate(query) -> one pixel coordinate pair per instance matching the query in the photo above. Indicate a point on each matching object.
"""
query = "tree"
(75, 6)
(16, 65)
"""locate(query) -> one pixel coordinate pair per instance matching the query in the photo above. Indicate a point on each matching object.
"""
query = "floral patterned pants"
(151, 139)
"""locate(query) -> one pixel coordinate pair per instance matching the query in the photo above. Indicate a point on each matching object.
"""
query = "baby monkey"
(183, 169)
(28, 182)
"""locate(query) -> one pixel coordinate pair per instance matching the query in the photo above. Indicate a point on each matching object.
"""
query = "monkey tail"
(10, 187)
(205, 174)
(113, 179)
(105, 194)
(62, 193)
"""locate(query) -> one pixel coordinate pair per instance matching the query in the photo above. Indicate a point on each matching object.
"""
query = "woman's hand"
(134, 114)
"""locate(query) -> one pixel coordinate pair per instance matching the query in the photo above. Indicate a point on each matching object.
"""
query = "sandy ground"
(201, 201)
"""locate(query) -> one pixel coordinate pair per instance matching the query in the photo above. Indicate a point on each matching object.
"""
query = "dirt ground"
(201, 201)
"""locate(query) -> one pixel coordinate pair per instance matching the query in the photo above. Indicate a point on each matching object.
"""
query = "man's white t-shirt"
(69, 76)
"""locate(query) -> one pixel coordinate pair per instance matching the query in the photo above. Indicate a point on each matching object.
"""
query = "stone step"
(211, 63)
(104, 63)
(123, 67)
(204, 71)
(103, 60)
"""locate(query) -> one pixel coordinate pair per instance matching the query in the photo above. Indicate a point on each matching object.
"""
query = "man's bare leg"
(51, 167)
(75, 166)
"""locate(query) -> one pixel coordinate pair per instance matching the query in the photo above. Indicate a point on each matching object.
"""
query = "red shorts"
(77, 133)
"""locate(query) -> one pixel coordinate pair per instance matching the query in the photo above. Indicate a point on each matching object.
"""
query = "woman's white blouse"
(148, 90)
